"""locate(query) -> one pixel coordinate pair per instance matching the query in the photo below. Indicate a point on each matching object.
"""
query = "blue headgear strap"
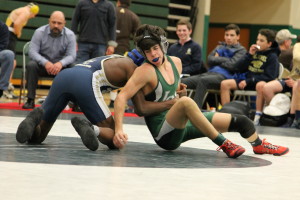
(137, 58)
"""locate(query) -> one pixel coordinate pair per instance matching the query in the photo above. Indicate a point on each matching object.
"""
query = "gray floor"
(62, 168)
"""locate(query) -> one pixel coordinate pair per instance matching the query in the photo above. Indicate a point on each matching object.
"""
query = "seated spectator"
(285, 84)
(295, 107)
(222, 62)
(284, 40)
(6, 58)
(186, 49)
(261, 64)
(52, 48)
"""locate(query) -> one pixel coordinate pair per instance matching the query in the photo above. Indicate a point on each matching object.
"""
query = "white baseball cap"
(279, 105)
(284, 34)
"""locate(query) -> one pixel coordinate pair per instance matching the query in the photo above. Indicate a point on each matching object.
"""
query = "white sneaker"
(256, 119)
(9, 94)
(10, 87)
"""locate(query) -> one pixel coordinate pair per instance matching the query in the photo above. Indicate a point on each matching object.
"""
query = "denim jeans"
(6, 64)
(87, 51)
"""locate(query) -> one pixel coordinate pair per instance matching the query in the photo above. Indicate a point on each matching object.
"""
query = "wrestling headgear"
(34, 8)
(148, 35)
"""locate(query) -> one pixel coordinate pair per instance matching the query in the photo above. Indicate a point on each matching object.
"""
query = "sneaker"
(296, 124)
(288, 123)
(29, 104)
(28, 125)
(268, 148)
(256, 119)
(232, 150)
(10, 87)
(86, 132)
(9, 94)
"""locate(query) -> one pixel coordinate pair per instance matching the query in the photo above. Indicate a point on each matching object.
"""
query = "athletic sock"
(220, 139)
(256, 142)
(257, 117)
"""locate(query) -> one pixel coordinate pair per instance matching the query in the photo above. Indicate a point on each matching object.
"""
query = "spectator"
(15, 21)
(222, 62)
(6, 58)
(285, 84)
(186, 49)
(284, 40)
(97, 28)
(52, 48)
(295, 107)
(127, 23)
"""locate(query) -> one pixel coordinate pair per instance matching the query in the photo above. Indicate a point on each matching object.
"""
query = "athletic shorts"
(170, 138)
(285, 87)
(248, 86)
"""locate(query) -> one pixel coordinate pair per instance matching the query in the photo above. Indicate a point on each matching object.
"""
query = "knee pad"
(241, 124)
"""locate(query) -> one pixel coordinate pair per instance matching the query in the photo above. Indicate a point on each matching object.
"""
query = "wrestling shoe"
(232, 150)
(268, 148)
(28, 125)
(86, 132)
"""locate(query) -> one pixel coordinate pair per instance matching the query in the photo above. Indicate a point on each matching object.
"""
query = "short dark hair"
(146, 36)
(125, 2)
(268, 33)
(234, 27)
(185, 22)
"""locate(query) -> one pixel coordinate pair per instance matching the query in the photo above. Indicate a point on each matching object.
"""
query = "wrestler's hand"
(181, 91)
(120, 139)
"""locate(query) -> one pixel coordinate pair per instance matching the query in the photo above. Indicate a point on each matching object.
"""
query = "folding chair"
(23, 80)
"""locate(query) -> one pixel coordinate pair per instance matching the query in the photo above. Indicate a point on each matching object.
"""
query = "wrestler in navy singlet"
(82, 84)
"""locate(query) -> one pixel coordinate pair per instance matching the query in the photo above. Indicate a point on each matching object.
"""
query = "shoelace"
(229, 145)
(269, 145)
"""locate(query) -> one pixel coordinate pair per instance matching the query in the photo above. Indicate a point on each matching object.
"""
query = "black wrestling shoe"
(27, 126)
(86, 132)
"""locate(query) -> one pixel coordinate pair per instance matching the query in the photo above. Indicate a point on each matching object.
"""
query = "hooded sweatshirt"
(262, 66)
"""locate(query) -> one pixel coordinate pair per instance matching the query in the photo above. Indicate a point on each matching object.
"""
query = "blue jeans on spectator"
(87, 51)
(6, 64)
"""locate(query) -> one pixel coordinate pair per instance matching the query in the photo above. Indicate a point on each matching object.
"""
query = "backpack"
(276, 113)
(237, 107)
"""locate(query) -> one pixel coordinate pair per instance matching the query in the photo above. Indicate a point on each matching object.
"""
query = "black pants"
(33, 72)
(201, 83)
